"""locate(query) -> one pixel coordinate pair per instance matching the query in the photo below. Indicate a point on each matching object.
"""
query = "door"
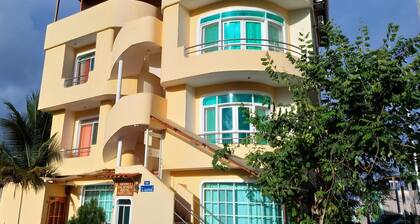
(57, 210)
(85, 139)
(123, 211)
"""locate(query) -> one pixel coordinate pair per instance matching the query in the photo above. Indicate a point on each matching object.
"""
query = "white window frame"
(76, 61)
(82, 198)
(235, 105)
(242, 19)
(116, 210)
(230, 181)
(79, 124)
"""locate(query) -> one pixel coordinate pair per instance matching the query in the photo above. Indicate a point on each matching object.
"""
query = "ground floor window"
(238, 203)
(104, 195)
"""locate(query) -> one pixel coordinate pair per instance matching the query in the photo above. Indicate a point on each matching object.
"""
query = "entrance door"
(57, 210)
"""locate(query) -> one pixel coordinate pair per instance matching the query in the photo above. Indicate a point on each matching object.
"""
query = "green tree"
(27, 151)
(89, 213)
(332, 152)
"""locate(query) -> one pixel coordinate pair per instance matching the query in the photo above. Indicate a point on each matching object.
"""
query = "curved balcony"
(130, 116)
(233, 60)
(109, 14)
(134, 42)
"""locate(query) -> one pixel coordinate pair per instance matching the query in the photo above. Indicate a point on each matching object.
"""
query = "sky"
(23, 24)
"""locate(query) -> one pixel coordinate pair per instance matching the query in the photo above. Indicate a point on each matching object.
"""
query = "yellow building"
(143, 92)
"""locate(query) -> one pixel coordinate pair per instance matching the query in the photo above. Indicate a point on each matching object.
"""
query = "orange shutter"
(85, 139)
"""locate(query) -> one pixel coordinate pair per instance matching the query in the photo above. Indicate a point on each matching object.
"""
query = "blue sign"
(147, 188)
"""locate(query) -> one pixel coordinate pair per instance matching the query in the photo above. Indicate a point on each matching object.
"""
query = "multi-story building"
(142, 94)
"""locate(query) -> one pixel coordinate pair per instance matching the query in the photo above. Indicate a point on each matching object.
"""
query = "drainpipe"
(117, 98)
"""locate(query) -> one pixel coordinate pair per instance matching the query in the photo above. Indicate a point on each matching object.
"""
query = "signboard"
(125, 189)
(147, 187)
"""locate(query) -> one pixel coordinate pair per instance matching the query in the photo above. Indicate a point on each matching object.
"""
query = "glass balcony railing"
(242, 44)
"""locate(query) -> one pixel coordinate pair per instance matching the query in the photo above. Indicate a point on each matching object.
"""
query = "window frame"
(79, 124)
(116, 210)
(83, 198)
(243, 19)
(235, 107)
(281, 207)
(76, 62)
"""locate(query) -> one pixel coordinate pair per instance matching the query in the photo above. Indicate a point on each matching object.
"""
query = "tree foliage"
(89, 213)
(332, 152)
(27, 151)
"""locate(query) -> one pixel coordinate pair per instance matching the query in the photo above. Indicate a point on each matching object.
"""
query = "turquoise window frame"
(243, 13)
(237, 203)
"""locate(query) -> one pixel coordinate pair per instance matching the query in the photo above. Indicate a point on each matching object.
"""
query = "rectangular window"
(275, 37)
(87, 136)
(123, 211)
(232, 35)
(104, 195)
(84, 65)
(210, 124)
(211, 37)
(239, 203)
(227, 124)
(253, 35)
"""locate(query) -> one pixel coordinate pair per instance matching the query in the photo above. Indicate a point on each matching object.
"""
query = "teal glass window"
(253, 35)
(275, 36)
(232, 35)
(238, 203)
(104, 195)
(227, 119)
(242, 98)
(211, 37)
(208, 101)
(210, 124)
(261, 99)
(243, 119)
(224, 99)
(242, 13)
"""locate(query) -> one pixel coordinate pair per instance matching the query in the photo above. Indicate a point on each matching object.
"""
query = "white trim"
(78, 125)
(220, 21)
(252, 105)
(116, 207)
(76, 67)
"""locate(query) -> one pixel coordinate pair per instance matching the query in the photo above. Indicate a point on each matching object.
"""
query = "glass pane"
(232, 35)
(253, 35)
(120, 215)
(275, 36)
(208, 101)
(127, 215)
(210, 119)
(95, 133)
(242, 98)
(243, 13)
(211, 138)
(243, 119)
(227, 122)
(224, 99)
(92, 64)
(210, 37)
(262, 99)
(227, 138)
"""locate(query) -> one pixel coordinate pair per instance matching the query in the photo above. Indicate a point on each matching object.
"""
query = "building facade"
(142, 94)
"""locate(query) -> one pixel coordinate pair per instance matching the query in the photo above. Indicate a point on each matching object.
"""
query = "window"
(87, 134)
(226, 116)
(104, 195)
(238, 203)
(85, 63)
(242, 29)
(123, 211)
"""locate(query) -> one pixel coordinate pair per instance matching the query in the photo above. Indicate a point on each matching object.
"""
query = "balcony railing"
(75, 153)
(74, 81)
(241, 137)
(242, 44)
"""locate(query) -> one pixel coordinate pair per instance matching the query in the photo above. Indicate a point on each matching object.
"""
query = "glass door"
(253, 35)
(232, 35)
(226, 124)
(244, 126)
(275, 37)
(123, 211)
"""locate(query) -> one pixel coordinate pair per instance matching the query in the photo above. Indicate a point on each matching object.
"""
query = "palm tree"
(27, 151)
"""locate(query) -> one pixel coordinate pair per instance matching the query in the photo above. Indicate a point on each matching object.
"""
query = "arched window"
(226, 116)
(248, 28)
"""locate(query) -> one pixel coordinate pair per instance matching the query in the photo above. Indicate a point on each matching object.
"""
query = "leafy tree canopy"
(89, 213)
(333, 153)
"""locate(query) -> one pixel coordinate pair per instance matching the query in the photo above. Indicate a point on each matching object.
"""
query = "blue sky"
(23, 24)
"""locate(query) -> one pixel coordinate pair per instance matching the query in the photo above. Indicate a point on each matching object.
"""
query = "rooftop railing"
(242, 44)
